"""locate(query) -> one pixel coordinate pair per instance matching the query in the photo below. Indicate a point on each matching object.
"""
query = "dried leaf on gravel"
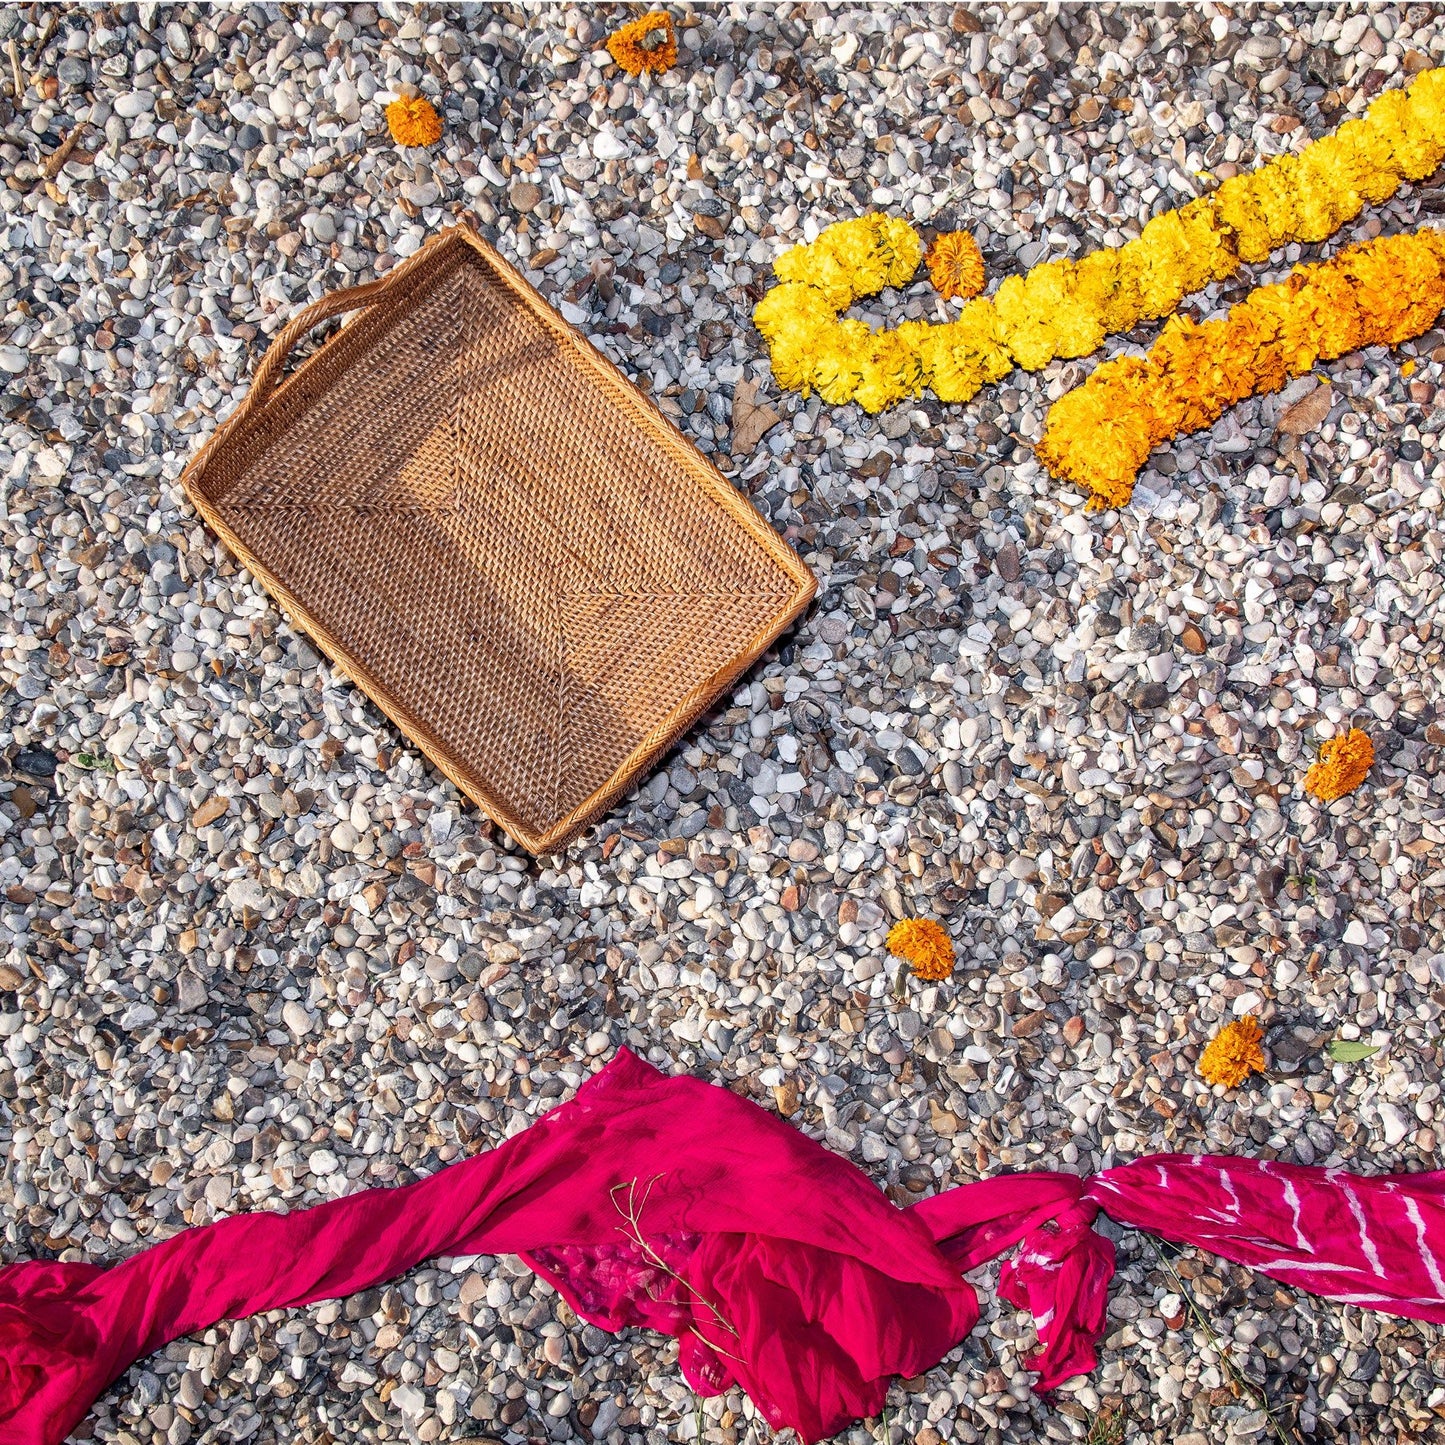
(1308, 413)
(751, 421)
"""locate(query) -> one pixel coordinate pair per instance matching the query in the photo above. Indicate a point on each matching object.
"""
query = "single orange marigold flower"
(955, 265)
(413, 121)
(647, 43)
(1233, 1054)
(925, 945)
(1344, 762)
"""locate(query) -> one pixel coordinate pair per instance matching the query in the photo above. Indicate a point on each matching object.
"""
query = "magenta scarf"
(676, 1205)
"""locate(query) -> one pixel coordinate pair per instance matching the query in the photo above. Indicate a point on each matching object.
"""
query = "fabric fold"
(675, 1205)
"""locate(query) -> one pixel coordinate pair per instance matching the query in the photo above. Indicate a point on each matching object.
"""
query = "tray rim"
(645, 413)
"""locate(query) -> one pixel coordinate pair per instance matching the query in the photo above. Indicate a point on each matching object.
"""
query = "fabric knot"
(1061, 1275)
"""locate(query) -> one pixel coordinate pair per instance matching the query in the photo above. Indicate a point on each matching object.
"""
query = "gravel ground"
(257, 953)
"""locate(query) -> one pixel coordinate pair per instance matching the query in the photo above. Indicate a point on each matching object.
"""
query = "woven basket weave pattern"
(499, 539)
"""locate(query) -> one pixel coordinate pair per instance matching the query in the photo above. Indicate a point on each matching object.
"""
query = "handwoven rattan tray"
(492, 532)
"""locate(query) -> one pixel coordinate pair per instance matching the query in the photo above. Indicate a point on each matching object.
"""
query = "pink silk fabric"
(674, 1204)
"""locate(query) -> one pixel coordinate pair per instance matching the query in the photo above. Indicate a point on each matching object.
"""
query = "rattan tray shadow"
(496, 536)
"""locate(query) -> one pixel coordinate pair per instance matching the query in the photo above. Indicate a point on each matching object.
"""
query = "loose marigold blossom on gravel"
(925, 945)
(413, 121)
(955, 265)
(1233, 1054)
(1344, 762)
(645, 44)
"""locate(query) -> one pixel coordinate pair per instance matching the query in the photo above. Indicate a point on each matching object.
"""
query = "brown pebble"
(1029, 1024)
(525, 197)
(209, 811)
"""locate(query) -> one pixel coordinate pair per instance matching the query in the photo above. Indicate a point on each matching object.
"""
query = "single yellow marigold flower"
(413, 121)
(925, 945)
(1233, 1054)
(955, 265)
(1344, 762)
(648, 43)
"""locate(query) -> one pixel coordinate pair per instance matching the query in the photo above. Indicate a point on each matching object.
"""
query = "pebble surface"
(256, 954)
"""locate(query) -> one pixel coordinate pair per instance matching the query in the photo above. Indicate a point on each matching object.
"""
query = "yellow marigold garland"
(924, 944)
(629, 47)
(1100, 434)
(413, 121)
(1344, 763)
(955, 265)
(1066, 308)
(1233, 1054)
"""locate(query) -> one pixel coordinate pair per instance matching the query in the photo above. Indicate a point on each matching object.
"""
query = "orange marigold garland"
(1342, 766)
(955, 265)
(1233, 1054)
(1385, 291)
(413, 121)
(648, 43)
(924, 944)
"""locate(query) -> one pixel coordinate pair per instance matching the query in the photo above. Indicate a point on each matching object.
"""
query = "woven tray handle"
(273, 363)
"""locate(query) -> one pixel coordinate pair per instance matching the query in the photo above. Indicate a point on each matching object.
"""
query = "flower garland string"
(1100, 434)
(1067, 308)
